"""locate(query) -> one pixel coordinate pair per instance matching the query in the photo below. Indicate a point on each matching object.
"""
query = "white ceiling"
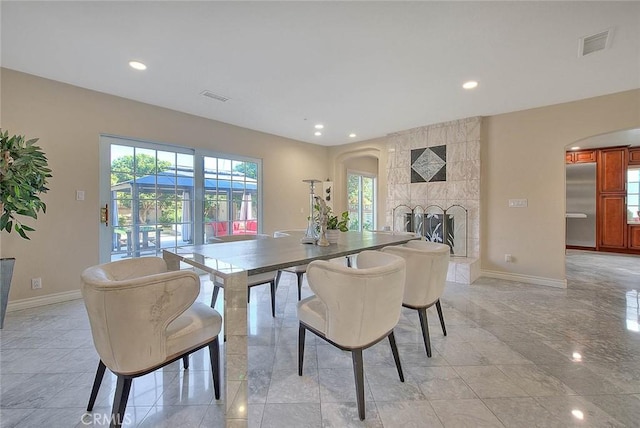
(366, 67)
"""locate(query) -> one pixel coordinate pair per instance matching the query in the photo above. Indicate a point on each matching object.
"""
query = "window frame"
(635, 212)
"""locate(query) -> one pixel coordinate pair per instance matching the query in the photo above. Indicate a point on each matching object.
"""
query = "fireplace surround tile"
(462, 185)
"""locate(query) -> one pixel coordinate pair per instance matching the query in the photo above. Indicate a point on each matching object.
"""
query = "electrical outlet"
(36, 283)
(508, 258)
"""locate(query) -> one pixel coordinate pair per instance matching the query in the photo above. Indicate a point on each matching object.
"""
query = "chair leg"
(185, 362)
(425, 330)
(272, 284)
(214, 297)
(214, 355)
(278, 275)
(301, 336)
(439, 308)
(396, 356)
(299, 274)
(96, 385)
(123, 386)
(358, 372)
(349, 261)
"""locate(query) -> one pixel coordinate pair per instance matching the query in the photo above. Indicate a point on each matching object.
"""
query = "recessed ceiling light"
(317, 133)
(470, 84)
(352, 135)
(575, 148)
(577, 414)
(319, 126)
(137, 65)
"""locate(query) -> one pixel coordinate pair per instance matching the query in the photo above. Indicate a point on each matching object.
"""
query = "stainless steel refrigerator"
(581, 205)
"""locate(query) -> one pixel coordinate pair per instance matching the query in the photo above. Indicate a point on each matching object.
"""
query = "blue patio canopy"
(184, 181)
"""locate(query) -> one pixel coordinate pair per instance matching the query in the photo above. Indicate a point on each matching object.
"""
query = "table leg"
(236, 349)
(235, 346)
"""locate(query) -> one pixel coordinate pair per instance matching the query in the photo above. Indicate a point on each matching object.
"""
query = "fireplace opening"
(436, 224)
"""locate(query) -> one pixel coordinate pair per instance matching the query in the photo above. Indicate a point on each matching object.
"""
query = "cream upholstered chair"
(299, 271)
(144, 317)
(253, 280)
(351, 258)
(427, 265)
(354, 309)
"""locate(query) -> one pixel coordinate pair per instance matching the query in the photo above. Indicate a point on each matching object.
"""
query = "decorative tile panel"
(429, 164)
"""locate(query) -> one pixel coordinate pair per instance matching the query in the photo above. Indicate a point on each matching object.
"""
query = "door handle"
(104, 215)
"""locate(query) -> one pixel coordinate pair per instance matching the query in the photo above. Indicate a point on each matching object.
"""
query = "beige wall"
(363, 164)
(523, 157)
(68, 121)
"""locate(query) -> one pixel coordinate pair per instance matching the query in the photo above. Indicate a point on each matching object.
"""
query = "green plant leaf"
(21, 232)
(23, 177)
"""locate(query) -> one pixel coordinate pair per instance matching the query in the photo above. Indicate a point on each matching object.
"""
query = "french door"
(160, 196)
(361, 199)
(230, 197)
(148, 191)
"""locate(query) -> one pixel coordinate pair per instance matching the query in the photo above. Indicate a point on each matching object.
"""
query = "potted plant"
(335, 225)
(23, 177)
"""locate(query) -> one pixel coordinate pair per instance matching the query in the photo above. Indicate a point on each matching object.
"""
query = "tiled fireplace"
(438, 167)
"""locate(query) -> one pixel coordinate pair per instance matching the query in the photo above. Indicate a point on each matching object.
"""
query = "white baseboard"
(49, 299)
(529, 279)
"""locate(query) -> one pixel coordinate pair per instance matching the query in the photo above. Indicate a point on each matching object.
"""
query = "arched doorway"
(603, 193)
(358, 179)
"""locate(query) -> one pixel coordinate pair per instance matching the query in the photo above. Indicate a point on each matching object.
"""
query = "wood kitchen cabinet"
(612, 170)
(583, 156)
(634, 156)
(612, 222)
(611, 208)
(634, 237)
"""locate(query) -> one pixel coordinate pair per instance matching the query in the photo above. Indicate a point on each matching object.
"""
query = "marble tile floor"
(516, 355)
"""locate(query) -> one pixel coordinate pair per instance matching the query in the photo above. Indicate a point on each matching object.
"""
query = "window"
(230, 197)
(163, 196)
(361, 198)
(633, 195)
(150, 202)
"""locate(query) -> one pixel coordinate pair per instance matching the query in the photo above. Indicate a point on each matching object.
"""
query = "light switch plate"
(79, 195)
(518, 203)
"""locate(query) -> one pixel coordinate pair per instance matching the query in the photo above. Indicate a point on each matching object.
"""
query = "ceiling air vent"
(210, 94)
(595, 42)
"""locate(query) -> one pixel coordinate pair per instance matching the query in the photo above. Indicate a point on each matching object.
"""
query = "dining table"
(233, 262)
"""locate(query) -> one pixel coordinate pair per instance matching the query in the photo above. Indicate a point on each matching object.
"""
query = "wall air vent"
(595, 42)
(210, 94)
